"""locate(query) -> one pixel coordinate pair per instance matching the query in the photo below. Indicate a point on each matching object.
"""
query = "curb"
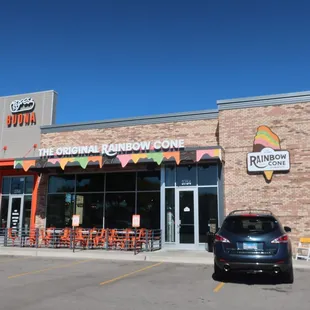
(194, 260)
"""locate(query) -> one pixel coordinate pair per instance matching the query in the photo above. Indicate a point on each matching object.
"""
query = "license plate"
(250, 246)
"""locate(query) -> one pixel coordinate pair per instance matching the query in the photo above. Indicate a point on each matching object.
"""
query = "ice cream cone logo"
(266, 138)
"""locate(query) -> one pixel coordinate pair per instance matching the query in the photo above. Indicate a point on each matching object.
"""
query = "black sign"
(15, 213)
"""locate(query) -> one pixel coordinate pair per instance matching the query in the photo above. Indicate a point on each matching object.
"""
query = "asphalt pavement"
(38, 283)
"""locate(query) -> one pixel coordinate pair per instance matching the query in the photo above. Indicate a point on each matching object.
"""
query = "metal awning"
(186, 155)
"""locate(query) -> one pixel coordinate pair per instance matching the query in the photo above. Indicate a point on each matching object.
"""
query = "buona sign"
(22, 113)
(113, 149)
(267, 155)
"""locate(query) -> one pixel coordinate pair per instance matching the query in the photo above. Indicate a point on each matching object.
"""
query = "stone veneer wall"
(195, 134)
(288, 195)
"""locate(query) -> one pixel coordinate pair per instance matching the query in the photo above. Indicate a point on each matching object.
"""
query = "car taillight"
(282, 239)
(219, 238)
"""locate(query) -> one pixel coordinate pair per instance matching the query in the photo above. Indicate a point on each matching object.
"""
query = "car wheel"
(288, 276)
(218, 273)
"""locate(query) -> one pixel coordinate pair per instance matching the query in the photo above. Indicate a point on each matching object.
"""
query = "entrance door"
(187, 217)
(16, 212)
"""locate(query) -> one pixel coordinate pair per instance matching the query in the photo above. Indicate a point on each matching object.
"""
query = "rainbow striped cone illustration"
(266, 138)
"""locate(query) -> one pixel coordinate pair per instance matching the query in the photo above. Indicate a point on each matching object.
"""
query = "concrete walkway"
(170, 256)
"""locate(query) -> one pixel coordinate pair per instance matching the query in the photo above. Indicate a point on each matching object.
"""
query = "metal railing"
(141, 240)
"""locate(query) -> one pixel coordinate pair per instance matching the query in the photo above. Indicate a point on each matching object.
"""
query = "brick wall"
(194, 133)
(288, 195)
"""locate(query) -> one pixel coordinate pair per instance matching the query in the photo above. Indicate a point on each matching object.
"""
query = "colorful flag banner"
(83, 161)
(28, 163)
(175, 155)
(64, 161)
(136, 157)
(212, 153)
(157, 157)
(96, 158)
(18, 162)
(124, 159)
(53, 160)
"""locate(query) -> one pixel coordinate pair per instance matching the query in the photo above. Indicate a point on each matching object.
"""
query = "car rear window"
(250, 224)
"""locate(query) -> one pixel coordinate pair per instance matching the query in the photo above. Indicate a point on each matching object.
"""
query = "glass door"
(187, 217)
(15, 212)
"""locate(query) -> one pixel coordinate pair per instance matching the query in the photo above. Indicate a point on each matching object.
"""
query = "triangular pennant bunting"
(63, 162)
(54, 160)
(212, 153)
(96, 158)
(28, 163)
(157, 157)
(18, 162)
(175, 155)
(136, 157)
(124, 159)
(83, 161)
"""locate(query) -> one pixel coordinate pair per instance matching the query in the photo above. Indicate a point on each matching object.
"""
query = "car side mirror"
(287, 229)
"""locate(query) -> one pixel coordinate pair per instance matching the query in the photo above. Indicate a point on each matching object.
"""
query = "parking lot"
(39, 283)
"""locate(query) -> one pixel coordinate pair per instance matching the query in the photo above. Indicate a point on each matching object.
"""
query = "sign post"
(75, 223)
(135, 224)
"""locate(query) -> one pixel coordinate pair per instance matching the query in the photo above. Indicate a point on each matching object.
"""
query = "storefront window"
(17, 185)
(119, 209)
(29, 185)
(170, 215)
(90, 182)
(186, 175)
(148, 206)
(121, 181)
(60, 208)
(207, 210)
(27, 211)
(6, 182)
(207, 174)
(148, 180)
(90, 209)
(4, 212)
(61, 183)
(170, 176)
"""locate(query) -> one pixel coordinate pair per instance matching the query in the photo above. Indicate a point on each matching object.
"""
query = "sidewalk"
(169, 256)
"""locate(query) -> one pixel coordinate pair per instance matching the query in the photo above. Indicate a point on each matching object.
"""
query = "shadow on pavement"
(250, 279)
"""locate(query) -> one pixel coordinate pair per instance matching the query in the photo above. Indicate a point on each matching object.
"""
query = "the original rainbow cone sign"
(267, 155)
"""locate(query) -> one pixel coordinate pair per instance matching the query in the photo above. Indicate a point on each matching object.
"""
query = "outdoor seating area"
(303, 249)
(82, 238)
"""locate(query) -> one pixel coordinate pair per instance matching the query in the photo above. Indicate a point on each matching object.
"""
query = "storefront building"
(20, 134)
(181, 172)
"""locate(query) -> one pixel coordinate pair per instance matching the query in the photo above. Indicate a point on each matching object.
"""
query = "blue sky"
(122, 58)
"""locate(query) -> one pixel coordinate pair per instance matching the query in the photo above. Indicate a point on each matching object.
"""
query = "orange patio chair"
(79, 238)
(47, 235)
(12, 235)
(91, 237)
(100, 238)
(112, 238)
(140, 239)
(32, 237)
(124, 240)
(65, 239)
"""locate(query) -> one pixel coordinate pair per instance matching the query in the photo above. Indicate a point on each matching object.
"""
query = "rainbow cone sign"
(267, 155)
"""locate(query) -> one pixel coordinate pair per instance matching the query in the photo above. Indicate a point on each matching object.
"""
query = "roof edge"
(30, 93)
(261, 101)
(134, 121)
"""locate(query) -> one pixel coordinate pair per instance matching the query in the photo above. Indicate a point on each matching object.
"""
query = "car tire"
(218, 273)
(288, 276)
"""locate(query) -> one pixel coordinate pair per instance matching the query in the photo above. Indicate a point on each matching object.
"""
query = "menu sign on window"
(15, 215)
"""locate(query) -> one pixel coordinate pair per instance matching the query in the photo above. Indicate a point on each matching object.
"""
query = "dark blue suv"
(253, 242)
